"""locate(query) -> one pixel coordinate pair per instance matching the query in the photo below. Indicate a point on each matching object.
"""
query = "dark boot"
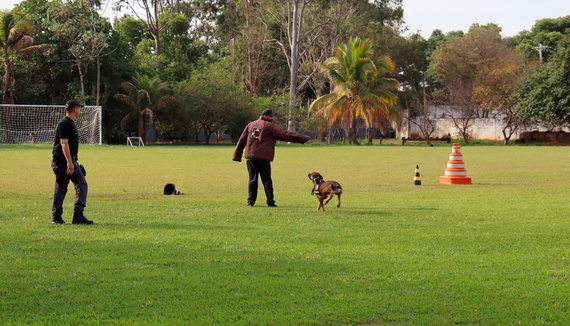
(79, 218)
(57, 220)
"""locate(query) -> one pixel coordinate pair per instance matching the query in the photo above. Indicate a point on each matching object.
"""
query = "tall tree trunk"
(80, 72)
(154, 26)
(7, 98)
(254, 50)
(511, 129)
(145, 124)
(98, 80)
(354, 131)
(7, 81)
(295, 26)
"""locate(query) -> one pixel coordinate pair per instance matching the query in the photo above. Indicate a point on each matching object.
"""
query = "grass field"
(496, 252)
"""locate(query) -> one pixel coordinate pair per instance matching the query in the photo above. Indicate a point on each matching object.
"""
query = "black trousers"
(60, 190)
(258, 168)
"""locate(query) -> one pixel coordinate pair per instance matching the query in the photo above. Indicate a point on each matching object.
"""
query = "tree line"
(207, 67)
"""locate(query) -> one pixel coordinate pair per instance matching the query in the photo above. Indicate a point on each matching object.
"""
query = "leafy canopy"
(361, 86)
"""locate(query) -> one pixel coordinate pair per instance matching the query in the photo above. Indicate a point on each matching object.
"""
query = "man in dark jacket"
(65, 166)
(259, 138)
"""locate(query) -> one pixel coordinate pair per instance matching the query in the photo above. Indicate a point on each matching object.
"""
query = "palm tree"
(15, 38)
(144, 95)
(361, 87)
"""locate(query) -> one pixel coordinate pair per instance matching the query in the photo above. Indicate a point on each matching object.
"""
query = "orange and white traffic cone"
(417, 180)
(455, 173)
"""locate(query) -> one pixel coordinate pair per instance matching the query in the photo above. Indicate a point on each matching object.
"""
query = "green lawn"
(496, 252)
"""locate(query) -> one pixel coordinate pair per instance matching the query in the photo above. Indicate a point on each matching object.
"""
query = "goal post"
(135, 140)
(35, 124)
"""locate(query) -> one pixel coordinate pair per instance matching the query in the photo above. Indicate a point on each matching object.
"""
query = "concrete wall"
(489, 128)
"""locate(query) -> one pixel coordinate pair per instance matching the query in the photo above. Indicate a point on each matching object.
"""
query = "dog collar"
(316, 189)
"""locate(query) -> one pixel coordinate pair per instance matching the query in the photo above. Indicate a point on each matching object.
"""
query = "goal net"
(35, 124)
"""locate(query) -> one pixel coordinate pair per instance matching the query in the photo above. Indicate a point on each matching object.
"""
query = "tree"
(15, 39)
(241, 27)
(291, 19)
(362, 88)
(53, 78)
(309, 30)
(495, 83)
(415, 90)
(258, 35)
(254, 47)
(152, 11)
(181, 52)
(462, 65)
(419, 111)
(216, 104)
(545, 33)
(83, 31)
(144, 95)
(544, 96)
(204, 15)
(132, 30)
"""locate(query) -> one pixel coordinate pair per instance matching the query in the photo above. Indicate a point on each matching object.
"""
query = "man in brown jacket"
(259, 138)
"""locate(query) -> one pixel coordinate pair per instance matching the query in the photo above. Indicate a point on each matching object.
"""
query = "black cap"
(73, 103)
(268, 112)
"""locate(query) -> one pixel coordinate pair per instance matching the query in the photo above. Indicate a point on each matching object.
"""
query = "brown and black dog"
(324, 189)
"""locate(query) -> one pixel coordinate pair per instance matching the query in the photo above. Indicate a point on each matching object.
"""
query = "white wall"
(489, 128)
(481, 128)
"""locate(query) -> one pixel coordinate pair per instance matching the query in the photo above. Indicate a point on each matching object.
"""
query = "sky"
(513, 16)
(423, 16)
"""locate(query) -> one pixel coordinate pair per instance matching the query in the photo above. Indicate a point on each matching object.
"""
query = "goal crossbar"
(135, 140)
(35, 124)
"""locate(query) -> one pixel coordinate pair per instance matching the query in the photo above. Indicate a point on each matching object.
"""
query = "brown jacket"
(259, 138)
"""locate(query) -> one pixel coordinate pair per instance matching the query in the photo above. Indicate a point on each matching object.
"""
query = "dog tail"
(336, 188)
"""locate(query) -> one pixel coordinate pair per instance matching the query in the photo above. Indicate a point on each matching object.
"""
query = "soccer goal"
(135, 140)
(35, 124)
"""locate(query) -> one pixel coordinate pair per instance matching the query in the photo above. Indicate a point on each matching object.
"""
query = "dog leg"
(329, 198)
(321, 205)
(338, 201)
